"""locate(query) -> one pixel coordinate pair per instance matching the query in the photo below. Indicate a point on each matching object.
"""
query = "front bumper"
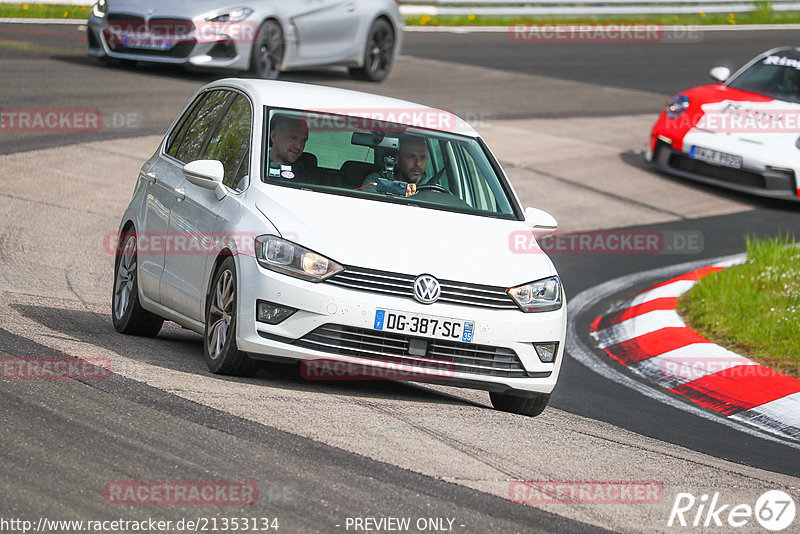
(220, 51)
(336, 323)
(762, 180)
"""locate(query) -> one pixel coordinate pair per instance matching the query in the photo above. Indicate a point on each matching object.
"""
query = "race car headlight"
(234, 15)
(100, 9)
(676, 106)
(285, 257)
(540, 296)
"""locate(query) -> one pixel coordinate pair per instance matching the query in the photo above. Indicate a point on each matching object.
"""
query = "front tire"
(219, 342)
(268, 49)
(530, 406)
(126, 311)
(378, 55)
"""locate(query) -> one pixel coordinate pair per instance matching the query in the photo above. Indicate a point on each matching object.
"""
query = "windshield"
(775, 76)
(382, 161)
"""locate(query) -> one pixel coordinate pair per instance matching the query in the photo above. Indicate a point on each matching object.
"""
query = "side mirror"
(208, 174)
(720, 74)
(541, 222)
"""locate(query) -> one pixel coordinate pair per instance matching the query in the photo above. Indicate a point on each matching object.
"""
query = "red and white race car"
(742, 133)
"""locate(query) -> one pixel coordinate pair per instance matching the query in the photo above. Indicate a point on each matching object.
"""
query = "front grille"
(392, 347)
(727, 174)
(403, 285)
(178, 31)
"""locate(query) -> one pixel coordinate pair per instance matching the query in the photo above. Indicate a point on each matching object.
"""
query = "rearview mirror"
(720, 74)
(208, 174)
(541, 222)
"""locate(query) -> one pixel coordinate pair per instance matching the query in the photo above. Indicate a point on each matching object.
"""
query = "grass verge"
(753, 308)
(43, 11)
(758, 16)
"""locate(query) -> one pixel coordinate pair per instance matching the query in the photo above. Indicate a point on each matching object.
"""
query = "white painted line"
(783, 413)
(688, 363)
(638, 326)
(729, 263)
(582, 353)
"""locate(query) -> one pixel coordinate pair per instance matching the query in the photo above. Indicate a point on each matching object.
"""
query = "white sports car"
(374, 237)
(742, 133)
(262, 36)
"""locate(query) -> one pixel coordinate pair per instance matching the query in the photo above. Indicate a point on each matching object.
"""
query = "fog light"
(546, 351)
(271, 313)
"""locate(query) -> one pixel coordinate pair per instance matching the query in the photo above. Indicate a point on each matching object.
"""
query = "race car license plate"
(145, 42)
(424, 325)
(716, 158)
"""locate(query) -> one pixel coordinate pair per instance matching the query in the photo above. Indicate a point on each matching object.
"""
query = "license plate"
(716, 158)
(144, 42)
(424, 325)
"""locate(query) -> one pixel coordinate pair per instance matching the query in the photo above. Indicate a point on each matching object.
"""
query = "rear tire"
(126, 311)
(219, 341)
(530, 406)
(378, 53)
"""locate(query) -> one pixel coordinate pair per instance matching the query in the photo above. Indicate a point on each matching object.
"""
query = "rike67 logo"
(774, 510)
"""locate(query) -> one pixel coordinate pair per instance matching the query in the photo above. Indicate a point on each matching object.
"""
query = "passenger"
(288, 137)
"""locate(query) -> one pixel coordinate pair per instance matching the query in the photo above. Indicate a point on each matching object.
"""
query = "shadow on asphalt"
(179, 72)
(636, 159)
(181, 350)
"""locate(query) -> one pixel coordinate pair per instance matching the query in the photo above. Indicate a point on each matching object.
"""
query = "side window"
(202, 126)
(180, 131)
(231, 141)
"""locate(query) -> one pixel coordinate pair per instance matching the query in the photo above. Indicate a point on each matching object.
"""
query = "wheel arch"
(223, 255)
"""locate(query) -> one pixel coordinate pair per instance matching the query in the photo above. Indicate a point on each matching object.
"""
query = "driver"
(411, 163)
(790, 81)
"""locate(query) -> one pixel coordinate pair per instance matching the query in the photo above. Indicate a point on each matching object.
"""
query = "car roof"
(306, 96)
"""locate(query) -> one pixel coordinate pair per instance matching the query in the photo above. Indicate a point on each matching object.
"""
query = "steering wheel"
(433, 187)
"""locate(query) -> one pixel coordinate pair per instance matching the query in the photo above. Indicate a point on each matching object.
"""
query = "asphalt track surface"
(43, 66)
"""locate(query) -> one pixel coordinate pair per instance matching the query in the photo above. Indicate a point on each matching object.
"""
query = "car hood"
(170, 8)
(736, 114)
(406, 239)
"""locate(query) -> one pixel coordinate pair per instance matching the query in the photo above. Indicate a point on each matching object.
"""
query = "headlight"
(540, 296)
(100, 9)
(676, 106)
(234, 15)
(285, 257)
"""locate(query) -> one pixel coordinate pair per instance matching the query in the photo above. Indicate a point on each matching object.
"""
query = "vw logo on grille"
(427, 289)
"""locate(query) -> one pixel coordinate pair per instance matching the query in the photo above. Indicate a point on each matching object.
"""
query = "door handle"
(180, 194)
(148, 177)
(350, 6)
